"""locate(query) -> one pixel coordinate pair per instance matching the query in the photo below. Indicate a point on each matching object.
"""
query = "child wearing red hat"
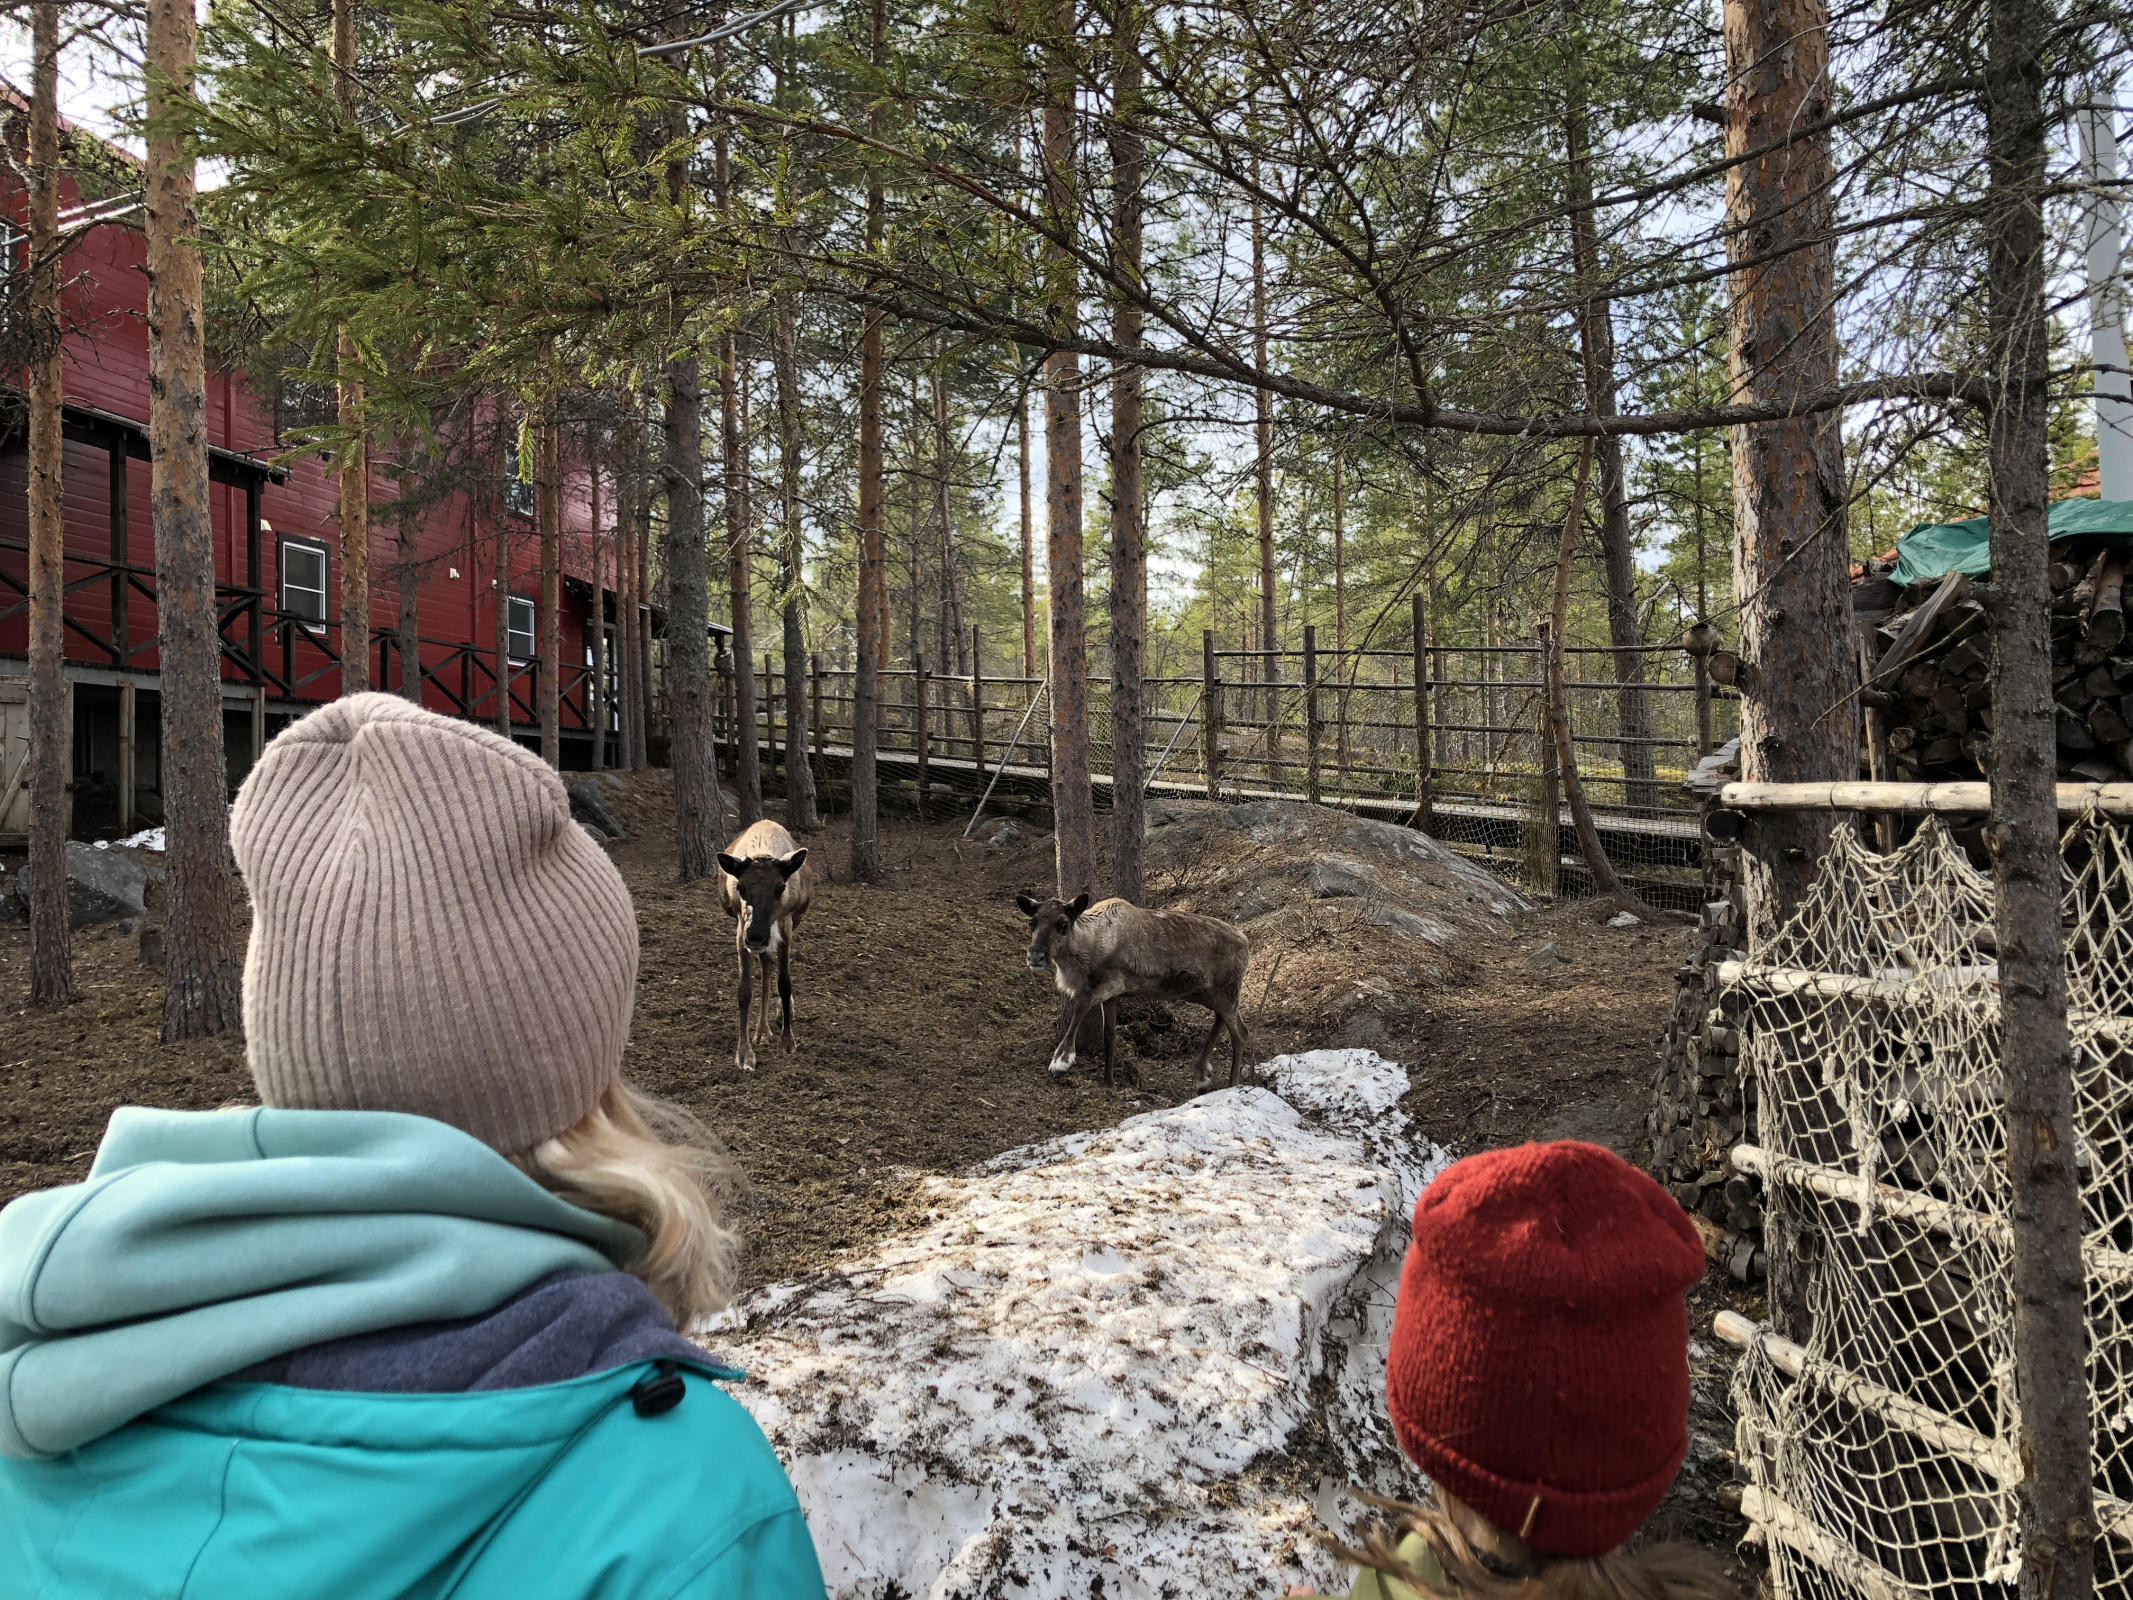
(1538, 1373)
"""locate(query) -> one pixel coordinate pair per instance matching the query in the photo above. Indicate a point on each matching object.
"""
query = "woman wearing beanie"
(407, 1329)
(1539, 1374)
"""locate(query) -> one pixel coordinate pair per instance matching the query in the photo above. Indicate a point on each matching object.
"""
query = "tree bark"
(596, 698)
(1029, 561)
(2056, 1493)
(870, 605)
(548, 518)
(1597, 348)
(201, 954)
(699, 823)
(500, 586)
(1340, 617)
(626, 491)
(1073, 813)
(407, 584)
(352, 465)
(641, 630)
(1799, 721)
(1604, 881)
(51, 941)
(1263, 479)
(800, 812)
(1129, 539)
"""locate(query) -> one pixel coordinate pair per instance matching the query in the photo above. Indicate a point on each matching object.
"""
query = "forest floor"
(922, 1038)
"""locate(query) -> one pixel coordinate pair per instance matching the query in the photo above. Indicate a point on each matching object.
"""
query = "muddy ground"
(922, 1041)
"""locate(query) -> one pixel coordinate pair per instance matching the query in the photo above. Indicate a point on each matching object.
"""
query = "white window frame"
(310, 547)
(531, 632)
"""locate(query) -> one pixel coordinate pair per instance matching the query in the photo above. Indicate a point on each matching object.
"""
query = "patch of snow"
(146, 839)
(1625, 919)
(1138, 1361)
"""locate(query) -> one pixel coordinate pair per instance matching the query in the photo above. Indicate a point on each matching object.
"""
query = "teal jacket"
(204, 1242)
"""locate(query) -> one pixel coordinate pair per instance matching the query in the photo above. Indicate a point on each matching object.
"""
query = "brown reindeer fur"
(765, 884)
(1098, 954)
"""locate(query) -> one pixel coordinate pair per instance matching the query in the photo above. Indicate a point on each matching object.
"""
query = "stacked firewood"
(1928, 696)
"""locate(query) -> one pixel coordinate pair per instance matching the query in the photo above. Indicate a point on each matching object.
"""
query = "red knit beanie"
(1539, 1361)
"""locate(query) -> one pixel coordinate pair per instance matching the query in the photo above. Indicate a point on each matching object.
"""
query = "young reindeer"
(766, 886)
(1098, 953)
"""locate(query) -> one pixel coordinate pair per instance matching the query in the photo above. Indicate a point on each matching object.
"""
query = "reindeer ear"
(1079, 904)
(1026, 904)
(792, 863)
(732, 866)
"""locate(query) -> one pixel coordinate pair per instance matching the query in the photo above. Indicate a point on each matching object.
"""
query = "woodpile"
(1927, 694)
(1701, 1107)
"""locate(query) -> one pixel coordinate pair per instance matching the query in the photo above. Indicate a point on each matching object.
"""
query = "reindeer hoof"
(1060, 1068)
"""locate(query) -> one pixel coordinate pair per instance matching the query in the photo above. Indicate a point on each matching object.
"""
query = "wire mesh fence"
(1881, 1455)
(1452, 740)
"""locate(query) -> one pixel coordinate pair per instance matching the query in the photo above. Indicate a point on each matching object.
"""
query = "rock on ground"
(1140, 1362)
(588, 807)
(104, 884)
(1270, 857)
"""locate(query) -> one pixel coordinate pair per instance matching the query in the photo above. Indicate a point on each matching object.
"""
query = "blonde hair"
(1482, 1562)
(643, 1161)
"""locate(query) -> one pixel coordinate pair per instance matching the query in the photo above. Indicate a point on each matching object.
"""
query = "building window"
(303, 582)
(519, 628)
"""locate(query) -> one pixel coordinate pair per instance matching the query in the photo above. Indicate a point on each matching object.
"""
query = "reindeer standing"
(766, 887)
(1097, 954)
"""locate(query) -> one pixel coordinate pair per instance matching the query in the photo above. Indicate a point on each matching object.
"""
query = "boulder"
(1334, 878)
(588, 805)
(1268, 821)
(1005, 837)
(104, 884)
(1074, 1376)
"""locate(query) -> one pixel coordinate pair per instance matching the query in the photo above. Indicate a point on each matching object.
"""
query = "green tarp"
(1934, 548)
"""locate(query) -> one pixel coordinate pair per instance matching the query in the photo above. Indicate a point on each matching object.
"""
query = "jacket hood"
(204, 1242)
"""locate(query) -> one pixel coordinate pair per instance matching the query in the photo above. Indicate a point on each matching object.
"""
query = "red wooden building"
(277, 568)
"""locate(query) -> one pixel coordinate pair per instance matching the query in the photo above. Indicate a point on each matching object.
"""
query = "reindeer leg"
(1062, 1061)
(1237, 1036)
(1200, 1079)
(785, 987)
(743, 1050)
(1110, 1038)
(764, 1025)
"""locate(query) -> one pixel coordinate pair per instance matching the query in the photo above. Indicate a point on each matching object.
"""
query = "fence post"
(1211, 714)
(1311, 728)
(1423, 796)
(977, 705)
(919, 683)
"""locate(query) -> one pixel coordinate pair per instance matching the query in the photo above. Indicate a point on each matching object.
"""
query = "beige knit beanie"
(430, 931)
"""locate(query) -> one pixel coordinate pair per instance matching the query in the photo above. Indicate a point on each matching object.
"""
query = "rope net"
(1880, 1459)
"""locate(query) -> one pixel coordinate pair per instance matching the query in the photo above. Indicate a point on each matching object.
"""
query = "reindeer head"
(760, 882)
(1050, 921)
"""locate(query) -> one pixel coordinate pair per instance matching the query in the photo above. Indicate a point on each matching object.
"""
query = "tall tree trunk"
(500, 587)
(51, 942)
(1263, 479)
(626, 492)
(201, 955)
(641, 631)
(799, 772)
(1596, 340)
(1340, 616)
(699, 823)
(407, 580)
(596, 697)
(1029, 561)
(870, 606)
(2056, 1492)
(944, 623)
(1074, 821)
(548, 519)
(740, 531)
(1129, 539)
(1798, 720)
(352, 466)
